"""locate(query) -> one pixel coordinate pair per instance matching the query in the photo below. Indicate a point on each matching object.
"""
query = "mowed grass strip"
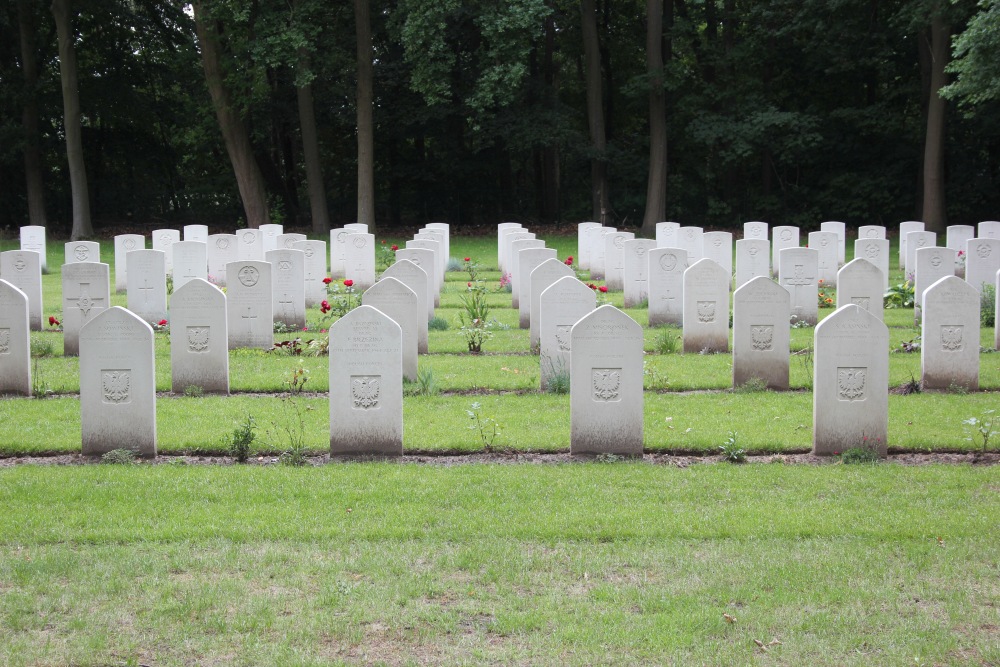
(573, 564)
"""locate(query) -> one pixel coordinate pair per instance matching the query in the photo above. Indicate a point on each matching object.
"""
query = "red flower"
(348, 282)
(327, 280)
(53, 322)
(591, 285)
(569, 261)
(383, 241)
(468, 284)
(603, 288)
(394, 247)
(467, 259)
(162, 323)
(324, 307)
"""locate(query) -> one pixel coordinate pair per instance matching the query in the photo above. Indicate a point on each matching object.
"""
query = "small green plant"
(240, 444)
(426, 384)
(194, 391)
(900, 296)
(438, 324)
(752, 386)
(910, 346)
(608, 457)
(486, 426)
(476, 328)
(39, 388)
(988, 305)
(453, 264)
(731, 451)
(41, 346)
(980, 430)
(558, 376)
(960, 389)
(297, 378)
(860, 455)
(119, 457)
(667, 341)
(294, 428)
(170, 284)
(283, 327)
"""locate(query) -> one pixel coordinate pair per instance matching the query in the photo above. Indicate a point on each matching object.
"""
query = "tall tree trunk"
(82, 227)
(656, 185)
(234, 132)
(29, 118)
(595, 112)
(310, 153)
(366, 129)
(933, 211)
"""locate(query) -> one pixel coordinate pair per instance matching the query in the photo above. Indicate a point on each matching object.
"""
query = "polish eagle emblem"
(951, 338)
(365, 390)
(607, 382)
(762, 337)
(852, 383)
(198, 339)
(563, 336)
(116, 386)
(4, 341)
(706, 311)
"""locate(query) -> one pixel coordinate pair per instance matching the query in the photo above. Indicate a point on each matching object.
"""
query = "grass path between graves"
(611, 564)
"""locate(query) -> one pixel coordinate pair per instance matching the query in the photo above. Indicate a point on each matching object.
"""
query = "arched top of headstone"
(116, 324)
(952, 284)
(11, 295)
(552, 266)
(198, 290)
(366, 315)
(852, 320)
(403, 267)
(606, 322)
(669, 259)
(859, 266)
(762, 287)
(388, 287)
(569, 287)
(707, 268)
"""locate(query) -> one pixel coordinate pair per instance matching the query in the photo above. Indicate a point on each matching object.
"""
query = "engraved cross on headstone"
(286, 307)
(85, 302)
(798, 281)
(146, 290)
(250, 317)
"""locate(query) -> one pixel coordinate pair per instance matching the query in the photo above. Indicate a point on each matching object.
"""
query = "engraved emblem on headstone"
(824, 242)
(861, 301)
(951, 337)
(668, 262)
(20, 264)
(197, 339)
(85, 302)
(984, 250)
(289, 242)
(717, 242)
(360, 241)
(4, 341)
(851, 383)
(284, 265)
(248, 237)
(249, 276)
(755, 232)
(129, 244)
(936, 261)
(563, 337)
(607, 384)
(365, 390)
(762, 337)
(872, 251)
(753, 250)
(309, 251)
(786, 235)
(690, 234)
(81, 252)
(341, 235)
(706, 311)
(165, 239)
(921, 241)
(115, 385)
(872, 233)
(619, 242)
(222, 243)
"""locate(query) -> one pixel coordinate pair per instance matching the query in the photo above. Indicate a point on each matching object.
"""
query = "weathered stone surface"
(288, 268)
(442, 248)
(82, 251)
(507, 236)
(871, 232)
(33, 238)
(125, 243)
(692, 239)
(366, 384)
(718, 247)
(338, 252)
(222, 249)
(86, 293)
(988, 229)
(782, 237)
(23, 270)
(527, 261)
(614, 259)
(957, 238)
(825, 243)
(399, 302)
(514, 266)
(269, 236)
(595, 239)
(756, 231)
(544, 276)
(860, 282)
(250, 246)
(761, 310)
(982, 261)
(433, 267)
(753, 259)
(666, 234)
(850, 382)
(163, 240)
(190, 262)
(147, 284)
(15, 341)
(445, 229)
(666, 286)
(359, 258)
(315, 269)
(840, 229)
(561, 305)
(196, 233)
(636, 273)
(706, 308)
(930, 266)
(915, 241)
(416, 279)
(876, 251)
(606, 402)
(199, 338)
(289, 240)
(582, 249)
(117, 384)
(798, 273)
(949, 345)
(250, 308)
(904, 229)
(423, 257)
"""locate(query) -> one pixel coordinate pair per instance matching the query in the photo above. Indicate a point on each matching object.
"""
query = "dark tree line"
(311, 113)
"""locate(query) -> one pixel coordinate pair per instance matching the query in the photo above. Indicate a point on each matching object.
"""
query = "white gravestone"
(269, 236)
(544, 276)
(86, 293)
(637, 271)
(423, 257)
(988, 229)
(606, 401)
(288, 241)
(781, 238)
(502, 230)
(904, 229)
(432, 267)
(915, 241)
(583, 244)
(250, 245)
(199, 341)
(561, 305)
(718, 247)
(860, 283)
(840, 229)
(338, 252)
(147, 284)
(515, 267)
(666, 286)
(196, 233)
(445, 229)
(706, 307)
(436, 235)
(124, 244)
(798, 273)
(761, 309)
(190, 262)
(249, 305)
(366, 384)
(399, 302)
(508, 235)
(666, 234)
(956, 238)
(876, 251)
(527, 261)
(850, 382)
(33, 238)
(222, 249)
(359, 260)
(982, 261)
(356, 227)
(23, 270)
(871, 232)
(15, 341)
(82, 251)
(949, 344)
(755, 231)
(288, 286)
(692, 240)
(826, 244)
(315, 270)
(753, 259)
(930, 266)
(996, 310)
(415, 279)
(614, 259)
(595, 237)
(117, 384)
(163, 240)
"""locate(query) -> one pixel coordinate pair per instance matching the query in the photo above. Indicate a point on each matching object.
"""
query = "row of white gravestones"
(706, 307)
(982, 260)
(666, 285)
(761, 335)
(929, 265)
(338, 248)
(423, 259)
(86, 292)
(23, 270)
(15, 341)
(415, 279)
(199, 338)
(636, 273)
(949, 345)
(560, 305)
(546, 274)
